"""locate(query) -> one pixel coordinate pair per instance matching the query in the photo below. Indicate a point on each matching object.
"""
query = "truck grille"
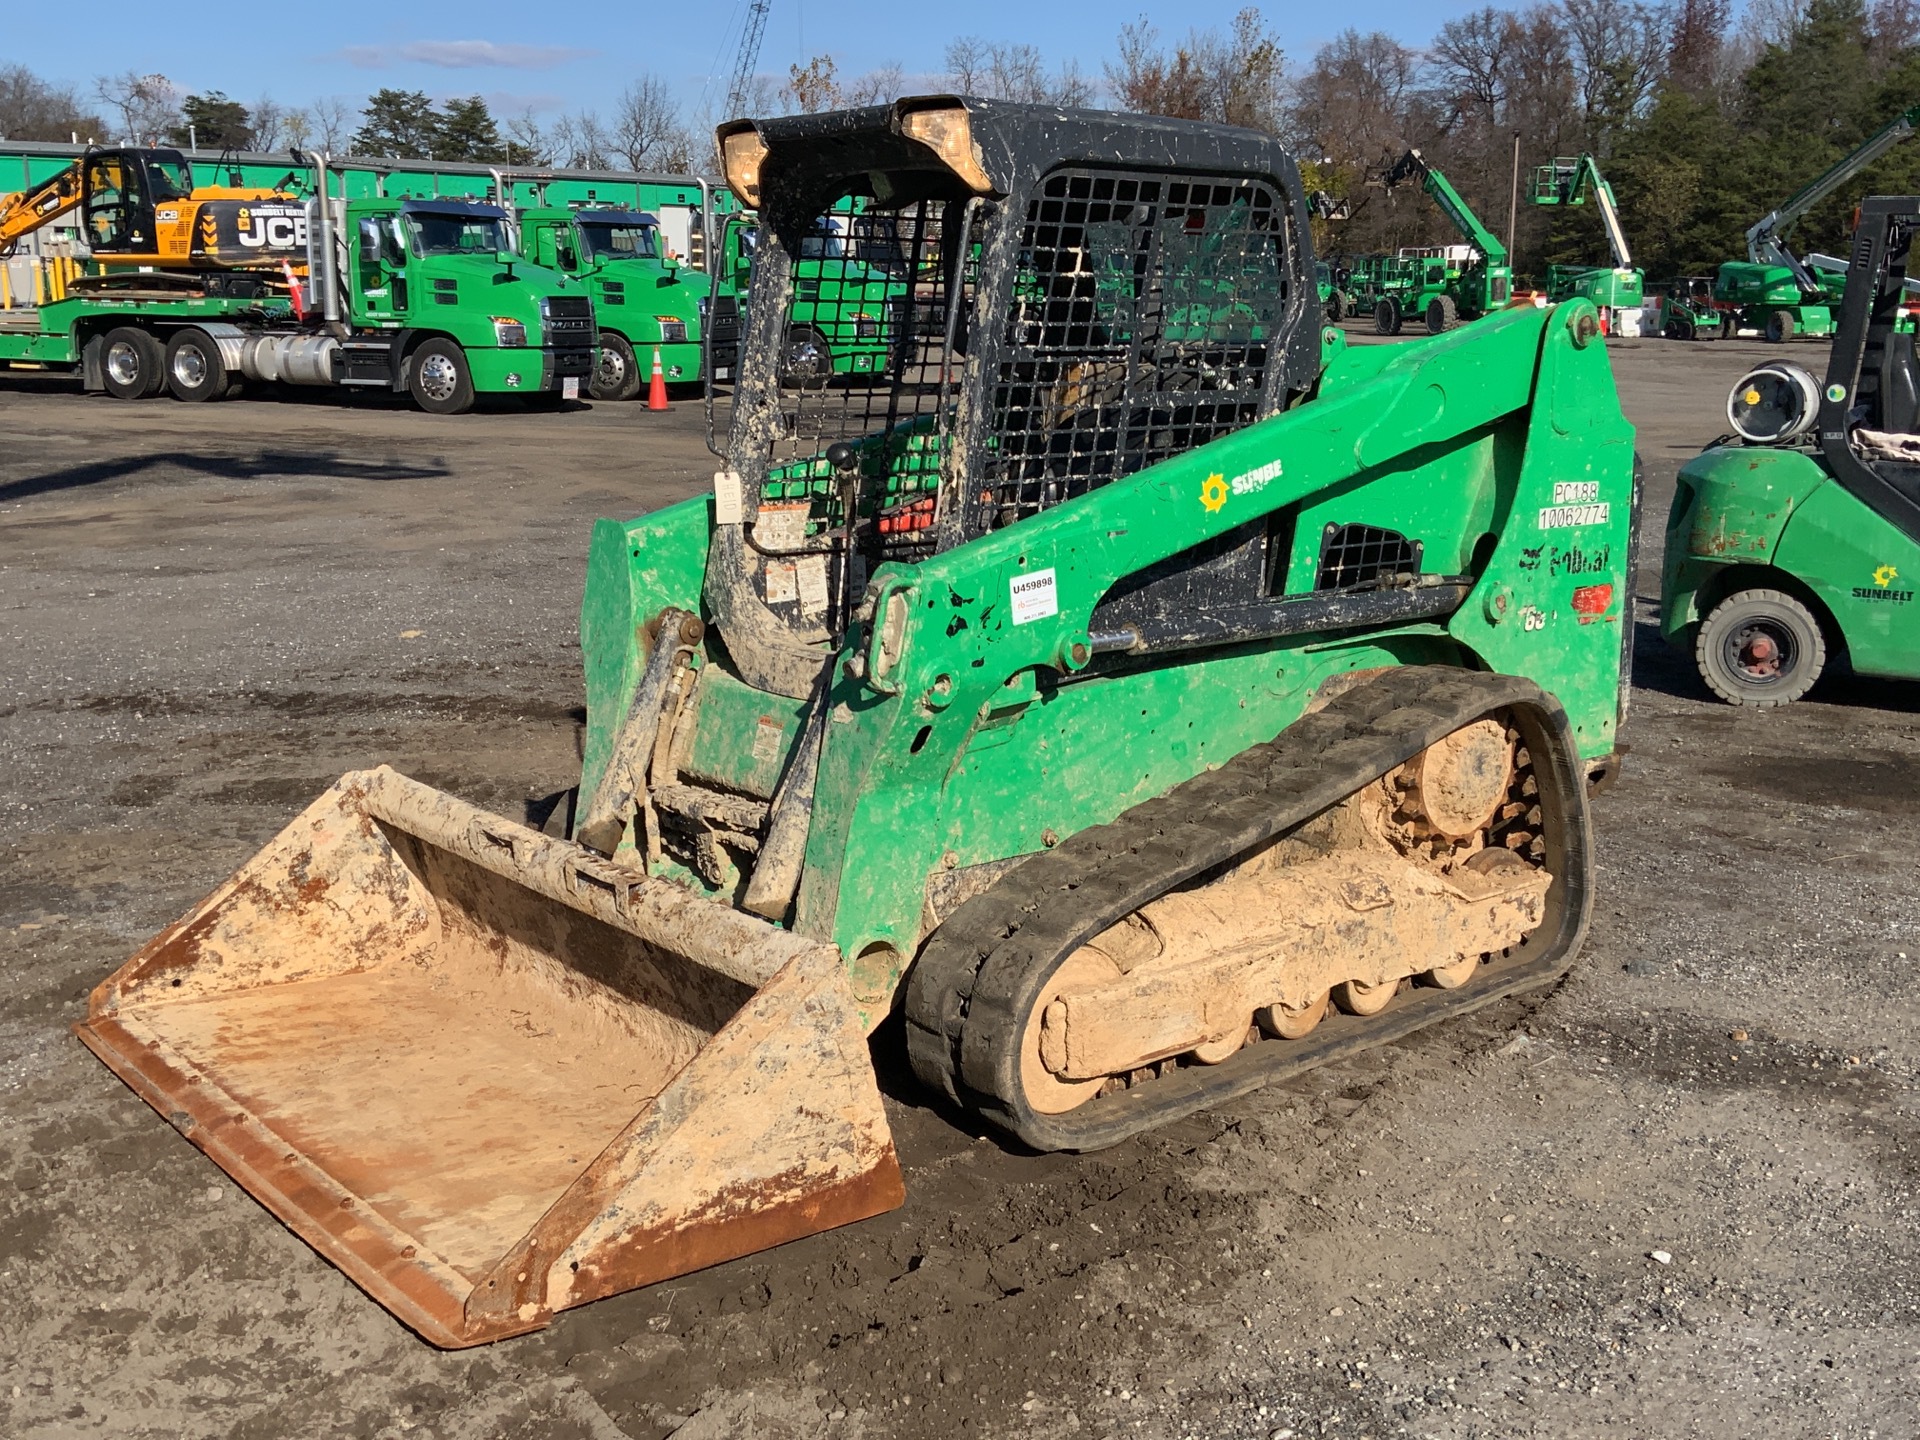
(569, 319)
(723, 321)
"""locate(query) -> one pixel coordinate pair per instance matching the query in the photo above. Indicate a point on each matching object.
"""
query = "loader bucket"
(490, 1075)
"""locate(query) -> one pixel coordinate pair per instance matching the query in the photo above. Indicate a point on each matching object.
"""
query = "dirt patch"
(1456, 1236)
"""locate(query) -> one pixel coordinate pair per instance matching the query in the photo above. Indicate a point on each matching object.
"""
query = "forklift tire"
(1386, 316)
(438, 378)
(616, 370)
(1760, 648)
(1442, 314)
(195, 370)
(133, 364)
(1780, 327)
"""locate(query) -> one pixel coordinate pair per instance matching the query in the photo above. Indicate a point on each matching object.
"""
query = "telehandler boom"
(1148, 695)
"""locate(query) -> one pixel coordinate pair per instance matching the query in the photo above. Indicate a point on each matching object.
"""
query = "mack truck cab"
(848, 314)
(439, 304)
(643, 300)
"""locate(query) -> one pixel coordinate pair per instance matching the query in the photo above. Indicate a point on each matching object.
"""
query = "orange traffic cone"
(657, 390)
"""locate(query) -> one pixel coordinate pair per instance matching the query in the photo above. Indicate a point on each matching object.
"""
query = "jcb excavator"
(1147, 694)
(141, 208)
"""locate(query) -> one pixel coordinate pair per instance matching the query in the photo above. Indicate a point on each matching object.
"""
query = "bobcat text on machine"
(1149, 695)
(1795, 543)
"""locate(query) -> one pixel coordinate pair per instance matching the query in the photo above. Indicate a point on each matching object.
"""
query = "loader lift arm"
(1766, 237)
(1567, 181)
(1413, 165)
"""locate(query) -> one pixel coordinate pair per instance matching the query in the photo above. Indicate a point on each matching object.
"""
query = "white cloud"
(462, 55)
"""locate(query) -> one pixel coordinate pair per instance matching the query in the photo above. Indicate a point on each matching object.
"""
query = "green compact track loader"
(1143, 693)
(1795, 543)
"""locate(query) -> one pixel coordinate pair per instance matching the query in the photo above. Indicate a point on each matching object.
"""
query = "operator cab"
(996, 324)
(122, 188)
(1869, 410)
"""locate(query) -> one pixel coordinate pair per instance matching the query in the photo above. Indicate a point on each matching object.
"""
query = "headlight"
(508, 333)
(673, 330)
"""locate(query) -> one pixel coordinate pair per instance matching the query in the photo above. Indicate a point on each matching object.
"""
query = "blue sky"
(569, 55)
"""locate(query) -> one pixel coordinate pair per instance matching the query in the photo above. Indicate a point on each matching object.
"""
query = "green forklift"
(1793, 546)
(1439, 291)
(1617, 290)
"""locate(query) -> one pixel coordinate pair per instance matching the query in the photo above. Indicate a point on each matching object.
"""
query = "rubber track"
(974, 984)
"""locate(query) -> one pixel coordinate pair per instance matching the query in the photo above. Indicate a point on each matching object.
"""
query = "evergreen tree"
(401, 124)
(467, 132)
(213, 122)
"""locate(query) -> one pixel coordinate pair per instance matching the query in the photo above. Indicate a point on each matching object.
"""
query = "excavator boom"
(27, 210)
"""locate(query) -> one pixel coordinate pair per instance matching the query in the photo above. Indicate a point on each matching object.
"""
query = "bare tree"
(147, 105)
(646, 131)
(878, 87)
(1619, 53)
(1231, 79)
(269, 119)
(527, 142)
(967, 63)
(296, 127)
(331, 122)
(581, 141)
(35, 109)
(1470, 57)
(1013, 72)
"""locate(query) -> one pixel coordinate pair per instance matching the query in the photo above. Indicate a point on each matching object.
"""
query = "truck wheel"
(132, 364)
(616, 373)
(1386, 316)
(1760, 648)
(1780, 326)
(439, 380)
(195, 370)
(806, 359)
(1442, 314)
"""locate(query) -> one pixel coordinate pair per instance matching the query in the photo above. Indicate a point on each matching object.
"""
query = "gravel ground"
(1676, 1196)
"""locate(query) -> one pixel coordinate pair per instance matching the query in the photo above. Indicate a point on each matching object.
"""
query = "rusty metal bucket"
(491, 1076)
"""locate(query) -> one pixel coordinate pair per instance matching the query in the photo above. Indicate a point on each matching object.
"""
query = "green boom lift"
(1145, 693)
(1618, 290)
(1774, 290)
(1440, 292)
(1796, 545)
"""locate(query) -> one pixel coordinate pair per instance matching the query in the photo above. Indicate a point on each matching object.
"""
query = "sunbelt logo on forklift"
(1575, 502)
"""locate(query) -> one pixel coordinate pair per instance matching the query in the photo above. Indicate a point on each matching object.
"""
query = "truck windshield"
(457, 234)
(621, 242)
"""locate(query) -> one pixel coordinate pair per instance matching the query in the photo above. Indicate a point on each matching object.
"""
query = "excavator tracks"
(975, 988)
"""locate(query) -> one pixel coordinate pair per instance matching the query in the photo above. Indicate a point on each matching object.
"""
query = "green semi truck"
(644, 302)
(417, 296)
(851, 284)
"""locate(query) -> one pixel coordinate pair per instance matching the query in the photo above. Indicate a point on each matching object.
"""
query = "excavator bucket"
(490, 1075)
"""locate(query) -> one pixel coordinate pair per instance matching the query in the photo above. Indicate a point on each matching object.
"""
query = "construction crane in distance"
(749, 56)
